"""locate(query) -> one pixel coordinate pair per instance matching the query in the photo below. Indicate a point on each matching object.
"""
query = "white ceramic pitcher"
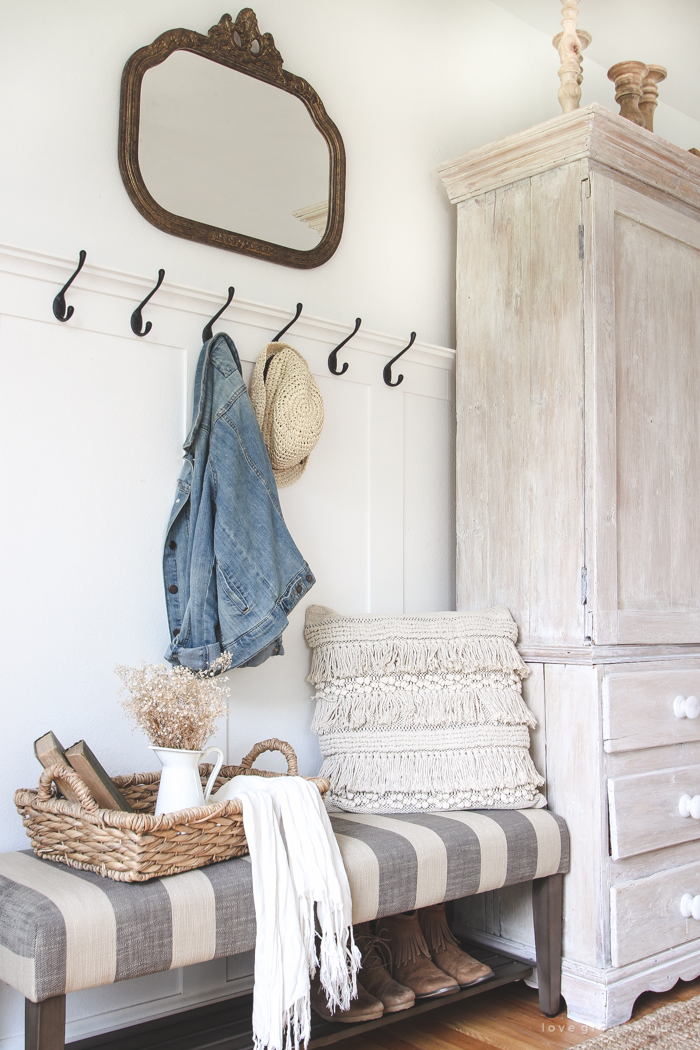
(180, 782)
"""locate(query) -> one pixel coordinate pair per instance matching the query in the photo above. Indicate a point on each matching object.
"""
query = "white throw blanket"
(296, 865)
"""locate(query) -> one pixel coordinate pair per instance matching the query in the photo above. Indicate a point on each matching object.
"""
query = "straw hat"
(289, 408)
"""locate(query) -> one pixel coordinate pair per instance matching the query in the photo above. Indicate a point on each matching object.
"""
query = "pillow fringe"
(429, 707)
(349, 659)
(434, 772)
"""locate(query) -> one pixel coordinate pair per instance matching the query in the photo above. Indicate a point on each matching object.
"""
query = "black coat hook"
(288, 326)
(59, 304)
(136, 318)
(387, 368)
(333, 356)
(207, 331)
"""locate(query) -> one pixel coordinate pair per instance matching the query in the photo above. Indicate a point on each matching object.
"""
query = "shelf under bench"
(227, 1025)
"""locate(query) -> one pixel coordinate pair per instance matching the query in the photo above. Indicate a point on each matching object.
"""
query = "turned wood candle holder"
(628, 78)
(571, 43)
(650, 94)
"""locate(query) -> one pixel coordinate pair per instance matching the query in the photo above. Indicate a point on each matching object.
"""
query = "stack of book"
(50, 752)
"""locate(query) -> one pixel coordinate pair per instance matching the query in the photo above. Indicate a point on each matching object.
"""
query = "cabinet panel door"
(646, 369)
(520, 405)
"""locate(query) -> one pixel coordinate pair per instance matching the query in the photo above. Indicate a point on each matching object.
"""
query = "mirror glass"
(222, 148)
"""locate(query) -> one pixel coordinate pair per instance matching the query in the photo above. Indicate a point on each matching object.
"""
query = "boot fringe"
(406, 942)
(433, 923)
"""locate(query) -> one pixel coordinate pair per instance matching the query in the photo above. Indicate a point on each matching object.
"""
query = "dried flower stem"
(174, 707)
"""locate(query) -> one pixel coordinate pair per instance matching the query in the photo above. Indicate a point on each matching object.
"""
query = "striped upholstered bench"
(63, 930)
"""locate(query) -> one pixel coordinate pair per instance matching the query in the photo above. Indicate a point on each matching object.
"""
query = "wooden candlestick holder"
(650, 94)
(571, 43)
(628, 78)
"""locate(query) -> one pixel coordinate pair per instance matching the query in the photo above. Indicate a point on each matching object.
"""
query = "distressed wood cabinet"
(578, 496)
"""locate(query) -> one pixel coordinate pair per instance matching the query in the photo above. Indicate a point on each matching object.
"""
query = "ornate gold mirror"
(219, 144)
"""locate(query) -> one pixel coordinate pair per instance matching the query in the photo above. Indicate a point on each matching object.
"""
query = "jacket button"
(309, 579)
(276, 651)
(172, 545)
(176, 631)
(299, 588)
(172, 588)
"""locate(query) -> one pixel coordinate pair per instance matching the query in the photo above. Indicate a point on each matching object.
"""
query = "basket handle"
(58, 772)
(273, 745)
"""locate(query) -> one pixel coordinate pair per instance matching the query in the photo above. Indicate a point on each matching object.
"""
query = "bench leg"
(547, 908)
(45, 1024)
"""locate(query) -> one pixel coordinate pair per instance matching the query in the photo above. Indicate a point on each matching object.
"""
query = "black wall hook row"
(333, 356)
(59, 304)
(207, 331)
(136, 318)
(288, 326)
(387, 368)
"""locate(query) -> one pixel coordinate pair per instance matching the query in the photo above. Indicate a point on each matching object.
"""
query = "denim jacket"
(232, 572)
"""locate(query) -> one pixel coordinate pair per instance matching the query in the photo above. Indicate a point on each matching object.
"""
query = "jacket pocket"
(230, 590)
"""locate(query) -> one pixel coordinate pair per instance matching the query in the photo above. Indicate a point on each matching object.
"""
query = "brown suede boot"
(364, 1008)
(376, 971)
(445, 950)
(411, 963)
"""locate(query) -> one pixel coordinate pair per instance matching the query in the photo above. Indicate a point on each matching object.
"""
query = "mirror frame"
(265, 64)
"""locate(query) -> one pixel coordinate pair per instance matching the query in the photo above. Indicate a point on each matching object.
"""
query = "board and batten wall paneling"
(429, 499)
(93, 421)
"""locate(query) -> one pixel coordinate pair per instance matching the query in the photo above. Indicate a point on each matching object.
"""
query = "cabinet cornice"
(607, 141)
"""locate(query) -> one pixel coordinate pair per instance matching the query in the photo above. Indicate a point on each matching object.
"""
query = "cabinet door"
(520, 405)
(642, 279)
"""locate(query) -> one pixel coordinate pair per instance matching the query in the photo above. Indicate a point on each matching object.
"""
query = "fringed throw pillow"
(422, 712)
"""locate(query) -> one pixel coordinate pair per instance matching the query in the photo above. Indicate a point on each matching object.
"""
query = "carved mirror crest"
(219, 143)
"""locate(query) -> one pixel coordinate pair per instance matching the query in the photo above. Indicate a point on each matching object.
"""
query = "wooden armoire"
(578, 496)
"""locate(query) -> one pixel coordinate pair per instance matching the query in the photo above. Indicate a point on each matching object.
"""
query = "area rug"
(673, 1027)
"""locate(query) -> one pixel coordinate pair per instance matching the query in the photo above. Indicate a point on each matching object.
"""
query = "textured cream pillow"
(422, 712)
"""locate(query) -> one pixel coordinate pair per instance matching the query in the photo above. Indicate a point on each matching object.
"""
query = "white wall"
(92, 418)
(92, 423)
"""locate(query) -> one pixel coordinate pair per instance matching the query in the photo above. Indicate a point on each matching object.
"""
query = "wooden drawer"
(638, 709)
(646, 914)
(644, 812)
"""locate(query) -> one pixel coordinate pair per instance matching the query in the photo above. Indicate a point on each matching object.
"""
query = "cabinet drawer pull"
(690, 905)
(686, 707)
(689, 807)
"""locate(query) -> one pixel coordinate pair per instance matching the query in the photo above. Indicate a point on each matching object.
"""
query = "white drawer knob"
(690, 905)
(689, 807)
(686, 707)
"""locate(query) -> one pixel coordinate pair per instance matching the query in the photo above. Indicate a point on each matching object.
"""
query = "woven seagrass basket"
(135, 847)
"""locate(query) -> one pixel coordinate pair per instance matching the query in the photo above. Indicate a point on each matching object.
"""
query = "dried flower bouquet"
(175, 708)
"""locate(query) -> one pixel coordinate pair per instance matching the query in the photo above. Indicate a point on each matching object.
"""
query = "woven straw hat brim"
(292, 474)
(289, 409)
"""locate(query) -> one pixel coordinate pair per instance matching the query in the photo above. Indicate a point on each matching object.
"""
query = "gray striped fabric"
(62, 930)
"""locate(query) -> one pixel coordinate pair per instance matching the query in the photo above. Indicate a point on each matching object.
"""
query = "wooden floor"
(505, 1019)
